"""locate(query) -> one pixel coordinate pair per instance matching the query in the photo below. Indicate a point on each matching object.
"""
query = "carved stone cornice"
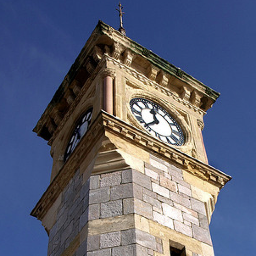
(148, 82)
(98, 131)
(142, 139)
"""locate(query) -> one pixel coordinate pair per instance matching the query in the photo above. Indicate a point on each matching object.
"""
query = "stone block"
(163, 220)
(157, 164)
(169, 184)
(121, 191)
(129, 250)
(137, 206)
(172, 212)
(93, 243)
(110, 240)
(141, 251)
(151, 174)
(99, 195)
(141, 179)
(127, 176)
(175, 172)
(145, 239)
(191, 219)
(94, 212)
(110, 179)
(182, 228)
(198, 206)
(160, 190)
(201, 234)
(154, 202)
(137, 191)
(94, 181)
(181, 181)
(128, 237)
(111, 209)
(186, 210)
(180, 199)
(184, 190)
(203, 221)
(163, 199)
(149, 193)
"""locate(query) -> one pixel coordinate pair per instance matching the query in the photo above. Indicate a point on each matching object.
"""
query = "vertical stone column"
(108, 90)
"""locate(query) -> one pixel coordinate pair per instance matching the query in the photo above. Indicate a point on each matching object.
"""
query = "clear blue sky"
(214, 41)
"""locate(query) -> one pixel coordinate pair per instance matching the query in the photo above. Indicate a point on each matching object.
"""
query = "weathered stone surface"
(157, 164)
(94, 181)
(198, 206)
(137, 191)
(141, 179)
(110, 239)
(163, 220)
(182, 228)
(145, 239)
(202, 234)
(184, 190)
(110, 179)
(127, 176)
(93, 243)
(154, 202)
(137, 206)
(180, 199)
(94, 212)
(111, 209)
(121, 191)
(152, 174)
(99, 195)
(203, 221)
(169, 184)
(129, 250)
(191, 219)
(128, 237)
(160, 190)
(172, 212)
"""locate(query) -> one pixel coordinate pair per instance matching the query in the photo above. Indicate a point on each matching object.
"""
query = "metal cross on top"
(120, 10)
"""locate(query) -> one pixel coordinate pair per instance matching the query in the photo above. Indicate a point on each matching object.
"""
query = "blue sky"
(214, 41)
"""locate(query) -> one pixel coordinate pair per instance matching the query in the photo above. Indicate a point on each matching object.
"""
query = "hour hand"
(155, 121)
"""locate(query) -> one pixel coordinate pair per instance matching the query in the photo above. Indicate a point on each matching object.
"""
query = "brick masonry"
(160, 194)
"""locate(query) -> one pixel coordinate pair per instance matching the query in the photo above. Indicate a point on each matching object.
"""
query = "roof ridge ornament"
(120, 10)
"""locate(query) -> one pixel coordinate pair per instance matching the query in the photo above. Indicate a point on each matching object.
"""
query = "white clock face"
(157, 121)
(78, 133)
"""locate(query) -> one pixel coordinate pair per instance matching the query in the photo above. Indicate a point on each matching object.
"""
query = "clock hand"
(155, 121)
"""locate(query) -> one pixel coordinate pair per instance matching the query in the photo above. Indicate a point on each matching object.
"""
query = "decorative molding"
(142, 139)
(200, 124)
(97, 132)
(108, 72)
(148, 82)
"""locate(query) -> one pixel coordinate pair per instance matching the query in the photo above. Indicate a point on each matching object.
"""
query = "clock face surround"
(79, 132)
(157, 121)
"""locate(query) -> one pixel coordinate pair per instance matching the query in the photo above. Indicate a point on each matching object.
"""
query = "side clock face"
(157, 121)
(78, 133)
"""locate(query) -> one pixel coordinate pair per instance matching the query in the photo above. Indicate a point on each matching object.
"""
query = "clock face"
(157, 121)
(78, 133)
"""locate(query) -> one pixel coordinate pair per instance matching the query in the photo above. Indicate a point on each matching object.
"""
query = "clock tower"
(130, 174)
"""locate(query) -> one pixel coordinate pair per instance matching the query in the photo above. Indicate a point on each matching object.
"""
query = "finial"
(120, 10)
